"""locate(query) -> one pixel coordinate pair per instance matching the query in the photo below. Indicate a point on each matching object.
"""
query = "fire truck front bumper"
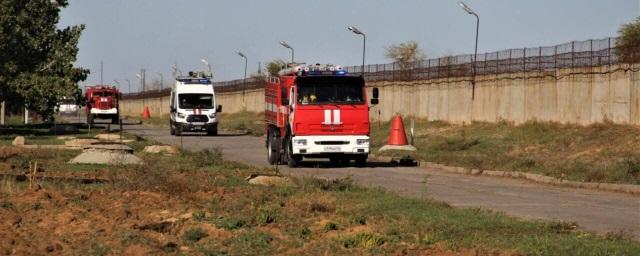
(330, 145)
(111, 111)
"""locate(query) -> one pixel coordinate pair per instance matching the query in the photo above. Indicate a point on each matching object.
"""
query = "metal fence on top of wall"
(577, 54)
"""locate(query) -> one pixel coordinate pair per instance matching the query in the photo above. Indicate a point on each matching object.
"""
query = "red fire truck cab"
(317, 111)
(102, 102)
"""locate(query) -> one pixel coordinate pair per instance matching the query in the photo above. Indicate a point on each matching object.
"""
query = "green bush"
(194, 235)
(628, 43)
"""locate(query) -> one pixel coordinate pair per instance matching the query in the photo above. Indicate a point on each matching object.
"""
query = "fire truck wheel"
(292, 160)
(361, 161)
(339, 160)
(273, 148)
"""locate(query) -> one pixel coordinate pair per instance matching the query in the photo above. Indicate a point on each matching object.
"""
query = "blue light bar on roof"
(193, 80)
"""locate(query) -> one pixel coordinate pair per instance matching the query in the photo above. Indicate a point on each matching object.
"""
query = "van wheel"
(178, 130)
(212, 131)
(172, 129)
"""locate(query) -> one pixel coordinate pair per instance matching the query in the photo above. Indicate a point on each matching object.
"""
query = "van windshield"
(330, 90)
(195, 100)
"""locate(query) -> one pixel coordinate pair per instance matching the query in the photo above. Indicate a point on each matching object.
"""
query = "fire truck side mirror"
(374, 101)
(375, 93)
(219, 108)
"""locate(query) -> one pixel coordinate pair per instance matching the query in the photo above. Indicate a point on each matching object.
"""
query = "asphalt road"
(596, 211)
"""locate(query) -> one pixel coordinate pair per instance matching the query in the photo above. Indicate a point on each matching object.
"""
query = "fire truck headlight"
(181, 115)
(362, 141)
(212, 115)
(300, 142)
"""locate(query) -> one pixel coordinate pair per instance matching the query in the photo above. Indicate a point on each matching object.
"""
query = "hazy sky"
(154, 34)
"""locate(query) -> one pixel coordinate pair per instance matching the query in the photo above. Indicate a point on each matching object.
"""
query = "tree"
(36, 58)
(274, 66)
(628, 44)
(405, 54)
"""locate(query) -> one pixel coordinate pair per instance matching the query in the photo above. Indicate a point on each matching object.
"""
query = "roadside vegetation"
(195, 203)
(247, 122)
(603, 152)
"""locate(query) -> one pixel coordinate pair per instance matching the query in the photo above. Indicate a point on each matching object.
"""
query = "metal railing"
(589, 53)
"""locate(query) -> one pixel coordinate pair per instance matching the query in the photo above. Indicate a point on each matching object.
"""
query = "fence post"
(509, 67)
(540, 59)
(573, 50)
(591, 53)
(524, 60)
(428, 69)
(609, 53)
(555, 57)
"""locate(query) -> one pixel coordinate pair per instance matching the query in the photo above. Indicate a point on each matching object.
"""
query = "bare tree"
(407, 55)
(628, 44)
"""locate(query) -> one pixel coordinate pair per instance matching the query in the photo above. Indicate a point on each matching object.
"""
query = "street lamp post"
(161, 87)
(244, 83)
(364, 43)
(129, 82)
(475, 54)
(283, 43)
(118, 83)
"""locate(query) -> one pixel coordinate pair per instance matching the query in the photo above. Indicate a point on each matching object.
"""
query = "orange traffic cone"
(146, 114)
(397, 136)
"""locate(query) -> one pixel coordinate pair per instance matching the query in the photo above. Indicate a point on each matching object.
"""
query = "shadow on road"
(329, 165)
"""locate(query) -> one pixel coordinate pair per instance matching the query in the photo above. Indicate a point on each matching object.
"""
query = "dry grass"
(596, 153)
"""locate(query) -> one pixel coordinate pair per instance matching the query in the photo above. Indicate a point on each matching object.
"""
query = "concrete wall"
(582, 96)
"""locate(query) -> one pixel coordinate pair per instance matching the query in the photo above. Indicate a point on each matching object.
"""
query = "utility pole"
(101, 72)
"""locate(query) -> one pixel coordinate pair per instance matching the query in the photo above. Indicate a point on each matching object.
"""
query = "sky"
(127, 35)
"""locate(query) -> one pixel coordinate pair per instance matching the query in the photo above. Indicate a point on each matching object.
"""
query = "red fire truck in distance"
(317, 111)
(102, 102)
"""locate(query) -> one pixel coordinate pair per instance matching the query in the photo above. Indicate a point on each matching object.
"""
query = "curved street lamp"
(244, 83)
(468, 9)
(364, 43)
(283, 43)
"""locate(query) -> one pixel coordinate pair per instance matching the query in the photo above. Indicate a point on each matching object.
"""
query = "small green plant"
(231, 223)
(6, 205)
(194, 235)
(632, 166)
(305, 233)
(266, 215)
(359, 220)
(37, 206)
(363, 240)
(330, 226)
(199, 215)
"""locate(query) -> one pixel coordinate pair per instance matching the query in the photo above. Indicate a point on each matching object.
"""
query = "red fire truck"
(317, 111)
(102, 103)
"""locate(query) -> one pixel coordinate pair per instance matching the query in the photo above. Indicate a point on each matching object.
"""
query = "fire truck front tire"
(292, 160)
(115, 119)
(361, 160)
(90, 119)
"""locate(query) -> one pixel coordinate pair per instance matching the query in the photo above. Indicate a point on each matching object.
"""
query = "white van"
(193, 105)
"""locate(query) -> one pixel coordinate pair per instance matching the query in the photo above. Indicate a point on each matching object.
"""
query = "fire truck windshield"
(195, 100)
(330, 90)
